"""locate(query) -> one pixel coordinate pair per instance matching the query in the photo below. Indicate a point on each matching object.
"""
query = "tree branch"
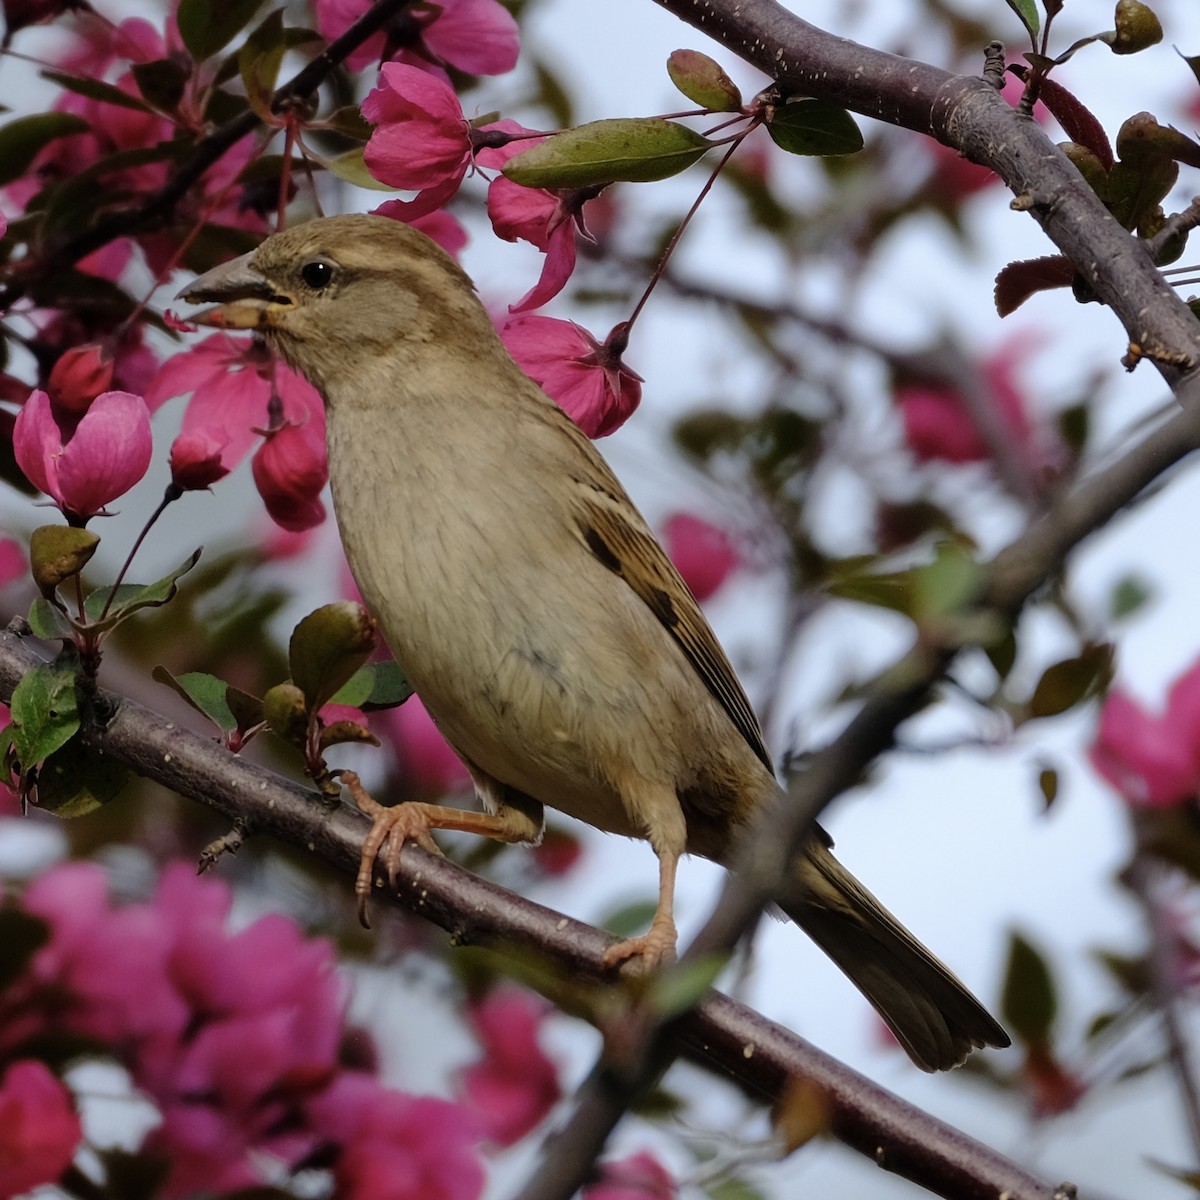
(158, 205)
(721, 1034)
(966, 113)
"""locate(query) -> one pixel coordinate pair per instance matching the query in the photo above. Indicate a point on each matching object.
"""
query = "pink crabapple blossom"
(585, 378)
(39, 1128)
(253, 1071)
(639, 1177)
(515, 1085)
(79, 376)
(478, 37)
(428, 764)
(421, 141)
(84, 464)
(13, 562)
(240, 396)
(1151, 761)
(703, 553)
(939, 425)
(547, 219)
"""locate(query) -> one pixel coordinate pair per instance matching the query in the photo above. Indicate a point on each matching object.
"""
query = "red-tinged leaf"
(702, 80)
(1077, 120)
(1019, 280)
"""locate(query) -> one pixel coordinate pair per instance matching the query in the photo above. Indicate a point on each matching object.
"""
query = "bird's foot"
(655, 946)
(390, 829)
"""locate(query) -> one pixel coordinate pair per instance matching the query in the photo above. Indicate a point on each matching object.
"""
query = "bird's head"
(342, 289)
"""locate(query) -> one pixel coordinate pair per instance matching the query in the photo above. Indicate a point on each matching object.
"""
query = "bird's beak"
(243, 298)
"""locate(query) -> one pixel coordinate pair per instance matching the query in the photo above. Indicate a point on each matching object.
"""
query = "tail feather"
(933, 1015)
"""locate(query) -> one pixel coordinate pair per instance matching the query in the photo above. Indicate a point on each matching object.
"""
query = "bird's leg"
(412, 822)
(658, 942)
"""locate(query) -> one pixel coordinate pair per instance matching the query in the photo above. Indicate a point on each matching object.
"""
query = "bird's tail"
(934, 1017)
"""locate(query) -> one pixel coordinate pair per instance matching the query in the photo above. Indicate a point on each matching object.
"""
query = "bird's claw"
(654, 947)
(390, 829)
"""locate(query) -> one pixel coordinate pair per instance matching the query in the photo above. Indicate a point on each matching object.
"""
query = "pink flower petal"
(479, 37)
(109, 452)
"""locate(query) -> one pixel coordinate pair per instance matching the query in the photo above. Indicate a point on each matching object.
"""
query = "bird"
(532, 608)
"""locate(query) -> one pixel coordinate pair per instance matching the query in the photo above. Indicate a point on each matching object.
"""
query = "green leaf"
(349, 122)
(351, 168)
(375, 686)
(207, 26)
(702, 80)
(57, 552)
(1029, 1001)
(48, 622)
(811, 126)
(1048, 785)
(681, 988)
(45, 712)
(205, 693)
(625, 149)
(22, 139)
(96, 89)
(1130, 594)
(1027, 11)
(630, 919)
(1137, 27)
(1072, 681)
(74, 782)
(286, 712)
(948, 584)
(162, 82)
(130, 597)
(21, 936)
(259, 61)
(327, 647)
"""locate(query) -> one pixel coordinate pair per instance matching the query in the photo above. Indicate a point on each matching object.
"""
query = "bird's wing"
(614, 532)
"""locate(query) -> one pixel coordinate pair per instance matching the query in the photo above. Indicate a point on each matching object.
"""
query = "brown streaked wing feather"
(631, 551)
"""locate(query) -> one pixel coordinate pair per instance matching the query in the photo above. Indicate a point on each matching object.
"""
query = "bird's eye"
(316, 275)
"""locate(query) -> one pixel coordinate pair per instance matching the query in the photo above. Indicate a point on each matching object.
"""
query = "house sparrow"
(531, 607)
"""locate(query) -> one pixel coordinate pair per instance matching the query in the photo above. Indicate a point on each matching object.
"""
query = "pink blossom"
(439, 226)
(704, 554)
(557, 852)
(103, 970)
(425, 757)
(586, 378)
(13, 562)
(515, 1085)
(79, 376)
(290, 471)
(89, 465)
(1152, 761)
(547, 219)
(241, 394)
(938, 424)
(479, 37)
(39, 1128)
(398, 1147)
(421, 141)
(196, 459)
(638, 1177)
(10, 802)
